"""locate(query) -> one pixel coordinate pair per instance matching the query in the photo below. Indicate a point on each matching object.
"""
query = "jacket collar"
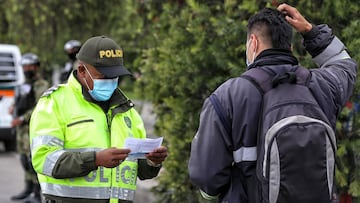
(274, 57)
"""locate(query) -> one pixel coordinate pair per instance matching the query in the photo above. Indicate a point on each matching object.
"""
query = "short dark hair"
(271, 25)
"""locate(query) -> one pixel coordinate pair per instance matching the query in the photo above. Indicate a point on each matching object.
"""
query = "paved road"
(11, 174)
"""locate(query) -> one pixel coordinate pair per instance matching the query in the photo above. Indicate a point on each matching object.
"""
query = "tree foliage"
(44, 26)
(184, 49)
(202, 46)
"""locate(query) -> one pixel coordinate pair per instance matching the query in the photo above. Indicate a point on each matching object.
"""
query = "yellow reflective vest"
(67, 128)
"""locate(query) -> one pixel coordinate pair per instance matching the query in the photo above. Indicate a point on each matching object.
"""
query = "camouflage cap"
(105, 55)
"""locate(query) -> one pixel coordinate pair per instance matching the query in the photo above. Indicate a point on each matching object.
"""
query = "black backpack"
(296, 145)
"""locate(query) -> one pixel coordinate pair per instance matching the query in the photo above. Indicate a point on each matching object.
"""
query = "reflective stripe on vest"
(46, 140)
(53, 157)
(124, 181)
(51, 161)
(123, 184)
(87, 192)
(245, 154)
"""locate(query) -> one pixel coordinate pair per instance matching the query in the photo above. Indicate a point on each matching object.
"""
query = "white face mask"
(248, 62)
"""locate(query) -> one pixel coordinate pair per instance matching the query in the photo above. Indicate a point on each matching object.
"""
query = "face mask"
(248, 63)
(29, 74)
(103, 88)
(72, 56)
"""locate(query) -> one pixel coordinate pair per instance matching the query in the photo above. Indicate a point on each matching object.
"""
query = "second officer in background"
(71, 48)
(26, 98)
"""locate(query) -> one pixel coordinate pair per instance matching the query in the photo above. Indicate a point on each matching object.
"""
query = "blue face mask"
(103, 88)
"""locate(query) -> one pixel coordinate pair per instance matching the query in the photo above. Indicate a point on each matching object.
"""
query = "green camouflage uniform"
(22, 132)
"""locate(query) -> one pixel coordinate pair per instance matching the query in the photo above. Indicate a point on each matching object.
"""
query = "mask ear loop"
(253, 58)
(87, 85)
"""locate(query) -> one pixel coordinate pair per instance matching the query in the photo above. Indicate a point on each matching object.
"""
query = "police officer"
(71, 48)
(26, 97)
(78, 131)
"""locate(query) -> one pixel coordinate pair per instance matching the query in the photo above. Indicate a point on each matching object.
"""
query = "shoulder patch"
(127, 121)
(50, 90)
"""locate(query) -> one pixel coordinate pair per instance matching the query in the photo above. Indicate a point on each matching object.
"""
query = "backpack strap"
(303, 76)
(220, 111)
(265, 80)
(259, 78)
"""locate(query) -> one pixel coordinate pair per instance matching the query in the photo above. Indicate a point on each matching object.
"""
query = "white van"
(11, 75)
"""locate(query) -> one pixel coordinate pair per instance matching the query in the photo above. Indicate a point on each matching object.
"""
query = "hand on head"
(294, 18)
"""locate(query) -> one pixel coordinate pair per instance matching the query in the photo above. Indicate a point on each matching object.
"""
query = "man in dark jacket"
(213, 166)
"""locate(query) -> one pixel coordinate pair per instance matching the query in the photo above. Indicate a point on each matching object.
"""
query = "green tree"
(199, 47)
(44, 26)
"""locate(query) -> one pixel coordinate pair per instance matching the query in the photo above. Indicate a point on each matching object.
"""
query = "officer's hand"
(158, 155)
(294, 18)
(16, 122)
(112, 157)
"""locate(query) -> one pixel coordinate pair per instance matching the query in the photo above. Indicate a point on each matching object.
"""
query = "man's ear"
(255, 42)
(254, 36)
(81, 70)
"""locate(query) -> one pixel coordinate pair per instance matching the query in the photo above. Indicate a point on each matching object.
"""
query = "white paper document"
(139, 147)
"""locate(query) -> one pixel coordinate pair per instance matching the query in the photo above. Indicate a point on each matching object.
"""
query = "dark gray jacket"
(211, 166)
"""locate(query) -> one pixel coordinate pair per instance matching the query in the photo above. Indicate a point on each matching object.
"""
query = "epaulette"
(50, 90)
